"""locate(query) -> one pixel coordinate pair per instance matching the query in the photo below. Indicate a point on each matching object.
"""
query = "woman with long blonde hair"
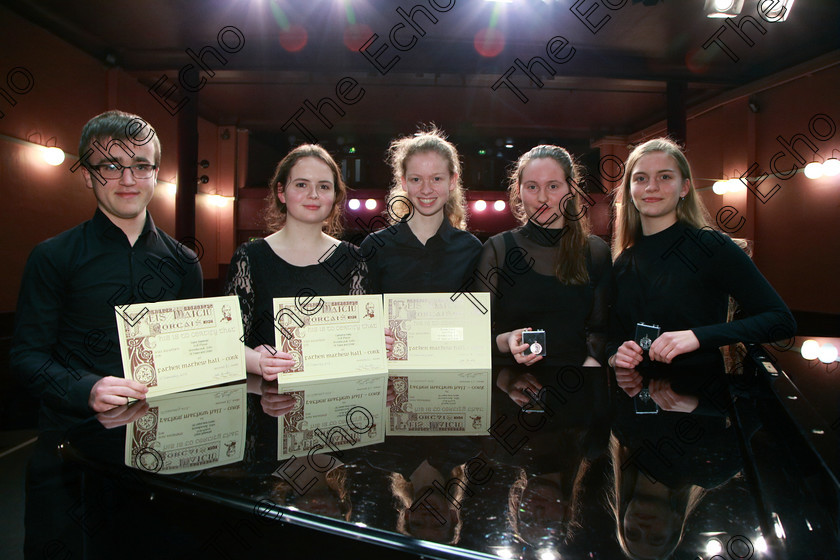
(674, 273)
(428, 248)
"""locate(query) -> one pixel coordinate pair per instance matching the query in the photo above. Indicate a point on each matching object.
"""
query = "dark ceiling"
(614, 83)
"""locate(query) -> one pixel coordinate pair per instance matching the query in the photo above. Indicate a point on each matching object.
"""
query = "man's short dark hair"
(118, 125)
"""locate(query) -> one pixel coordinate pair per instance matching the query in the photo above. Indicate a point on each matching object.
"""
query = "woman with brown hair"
(305, 200)
(550, 272)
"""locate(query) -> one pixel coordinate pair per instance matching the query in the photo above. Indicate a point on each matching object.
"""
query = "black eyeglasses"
(115, 170)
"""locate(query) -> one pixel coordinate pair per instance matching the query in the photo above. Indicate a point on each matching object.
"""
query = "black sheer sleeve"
(367, 254)
(600, 279)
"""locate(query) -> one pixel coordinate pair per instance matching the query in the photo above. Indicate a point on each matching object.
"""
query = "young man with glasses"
(66, 348)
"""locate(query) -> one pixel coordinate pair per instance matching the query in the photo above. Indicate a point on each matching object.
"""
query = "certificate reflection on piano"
(329, 334)
(331, 415)
(439, 331)
(173, 346)
(440, 403)
(189, 431)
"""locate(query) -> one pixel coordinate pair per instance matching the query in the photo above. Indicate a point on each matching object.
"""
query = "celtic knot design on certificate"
(142, 360)
(397, 320)
(143, 438)
(400, 393)
(292, 336)
(292, 420)
(295, 432)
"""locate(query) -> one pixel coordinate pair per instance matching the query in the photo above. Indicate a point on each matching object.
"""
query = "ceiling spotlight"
(774, 10)
(723, 8)
(713, 547)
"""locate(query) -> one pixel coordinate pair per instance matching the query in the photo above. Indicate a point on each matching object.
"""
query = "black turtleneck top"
(519, 268)
(681, 278)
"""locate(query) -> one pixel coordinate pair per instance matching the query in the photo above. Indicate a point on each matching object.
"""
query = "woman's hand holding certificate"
(268, 361)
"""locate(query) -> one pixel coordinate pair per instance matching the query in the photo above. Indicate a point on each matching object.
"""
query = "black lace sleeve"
(238, 283)
(359, 277)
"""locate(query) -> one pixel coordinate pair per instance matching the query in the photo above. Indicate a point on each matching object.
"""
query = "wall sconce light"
(499, 205)
(52, 155)
(828, 353)
(814, 170)
(831, 166)
(812, 350)
(724, 186)
(480, 206)
(354, 204)
(370, 204)
(723, 8)
(217, 199)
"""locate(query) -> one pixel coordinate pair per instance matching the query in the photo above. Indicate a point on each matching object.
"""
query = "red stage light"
(356, 34)
(294, 38)
(489, 42)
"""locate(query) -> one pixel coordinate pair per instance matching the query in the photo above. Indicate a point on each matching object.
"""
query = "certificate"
(173, 346)
(189, 431)
(332, 333)
(439, 331)
(440, 403)
(333, 414)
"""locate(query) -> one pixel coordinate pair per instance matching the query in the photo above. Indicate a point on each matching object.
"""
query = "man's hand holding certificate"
(174, 346)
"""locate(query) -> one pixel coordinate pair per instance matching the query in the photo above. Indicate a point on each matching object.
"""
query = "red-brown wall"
(69, 88)
(796, 233)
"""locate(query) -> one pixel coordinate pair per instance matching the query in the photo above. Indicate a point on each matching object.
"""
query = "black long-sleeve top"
(65, 336)
(519, 268)
(257, 275)
(398, 263)
(680, 279)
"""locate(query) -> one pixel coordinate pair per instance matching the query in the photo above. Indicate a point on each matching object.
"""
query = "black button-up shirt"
(398, 263)
(65, 336)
